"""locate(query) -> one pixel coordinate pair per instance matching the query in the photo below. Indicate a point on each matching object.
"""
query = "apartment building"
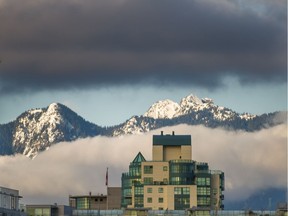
(171, 180)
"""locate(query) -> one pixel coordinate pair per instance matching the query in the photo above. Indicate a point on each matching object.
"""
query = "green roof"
(171, 140)
(139, 158)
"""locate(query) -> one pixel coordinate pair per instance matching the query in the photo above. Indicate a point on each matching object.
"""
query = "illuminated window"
(203, 181)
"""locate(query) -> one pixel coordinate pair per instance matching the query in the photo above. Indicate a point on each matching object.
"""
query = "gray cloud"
(79, 167)
(67, 44)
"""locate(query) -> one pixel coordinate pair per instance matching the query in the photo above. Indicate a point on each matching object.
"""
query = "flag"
(106, 177)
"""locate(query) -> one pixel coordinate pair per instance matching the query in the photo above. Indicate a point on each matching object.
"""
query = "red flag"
(106, 177)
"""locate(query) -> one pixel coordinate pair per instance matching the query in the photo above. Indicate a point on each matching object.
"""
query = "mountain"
(195, 111)
(37, 129)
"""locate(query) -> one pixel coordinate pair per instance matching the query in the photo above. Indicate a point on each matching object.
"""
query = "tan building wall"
(157, 153)
(160, 171)
(162, 196)
(171, 153)
(186, 152)
(166, 153)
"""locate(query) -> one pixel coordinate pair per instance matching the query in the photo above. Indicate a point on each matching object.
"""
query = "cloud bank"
(251, 161)
(80, 44)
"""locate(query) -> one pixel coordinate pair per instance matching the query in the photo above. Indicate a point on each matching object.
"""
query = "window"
(181, 190)
(175, 180)
(148, 180)
(203, 191)
(203, 181)
(82, 203)
(177, 190)
(165, 168)
(148, 169)
(138, 190)
(186, 190)
(138, 201)
(165, 181)
(149, 190)
(203, 201)
(149, 200)
(160, 190)
(160, 200)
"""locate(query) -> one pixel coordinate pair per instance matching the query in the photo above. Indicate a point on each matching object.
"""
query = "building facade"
(172, 180)
(97, 202)
(9, 198)
(48, 210)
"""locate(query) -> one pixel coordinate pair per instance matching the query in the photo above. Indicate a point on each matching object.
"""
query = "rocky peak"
(163, 109)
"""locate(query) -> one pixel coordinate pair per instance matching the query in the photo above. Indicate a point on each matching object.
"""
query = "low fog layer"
(251, 161)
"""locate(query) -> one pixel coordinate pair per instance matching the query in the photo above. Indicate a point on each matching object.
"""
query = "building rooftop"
(171, 140)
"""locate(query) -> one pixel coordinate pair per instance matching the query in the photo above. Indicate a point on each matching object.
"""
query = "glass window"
(182, 190)
(175, 180)
(186, 190)
(160, 190)
(149, 200)
(148, 180)
(82, 203)
(138, 201)
(138, 190)
(177, 190)
(149, 190)
(148, 169)
(175, 168)
(203, 191)
(203, 181)
(203, 201)
(160, 199)
(165, 168)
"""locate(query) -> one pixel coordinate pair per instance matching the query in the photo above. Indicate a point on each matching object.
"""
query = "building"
(48, 210)
(97, 202)
(172, 180)
(9, 202)
(9, 198)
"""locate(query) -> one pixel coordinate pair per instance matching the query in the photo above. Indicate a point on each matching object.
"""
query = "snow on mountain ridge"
(163, 109)
(168, 109)
(39, 125)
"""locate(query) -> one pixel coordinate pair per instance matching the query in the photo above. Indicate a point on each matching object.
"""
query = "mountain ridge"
(36, 130)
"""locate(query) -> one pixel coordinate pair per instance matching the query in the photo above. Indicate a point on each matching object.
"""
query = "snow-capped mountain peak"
(163, 109)
(36, 130)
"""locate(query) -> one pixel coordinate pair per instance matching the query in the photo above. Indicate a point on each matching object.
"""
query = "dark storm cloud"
(70, 43)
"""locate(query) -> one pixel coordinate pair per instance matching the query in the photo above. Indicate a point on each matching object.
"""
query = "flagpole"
(107, 188)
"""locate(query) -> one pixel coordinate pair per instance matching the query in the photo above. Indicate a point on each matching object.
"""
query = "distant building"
(9, 202)
(48, 210)
(97, 202)
(172, 180)
(9, 198)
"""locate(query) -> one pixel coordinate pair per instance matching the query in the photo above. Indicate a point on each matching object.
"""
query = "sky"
(108, 60)
(79, 167)
(111, 59)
